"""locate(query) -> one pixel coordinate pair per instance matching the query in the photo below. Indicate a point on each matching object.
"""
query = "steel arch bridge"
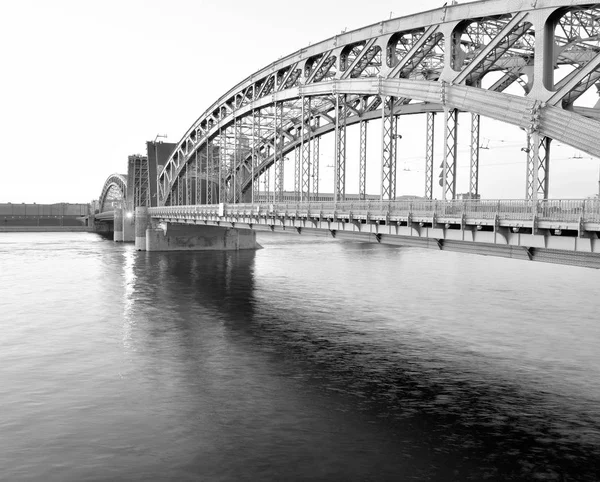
(114, 190)
(459, 58)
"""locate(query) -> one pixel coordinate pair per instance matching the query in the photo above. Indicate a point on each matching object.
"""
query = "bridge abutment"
(179, 237)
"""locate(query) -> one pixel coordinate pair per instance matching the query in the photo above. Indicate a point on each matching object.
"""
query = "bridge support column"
(142, 222)
(429, 151)
(128, 227)
(118, 225)
(448, 178)
(183, 237)
(538, 166)
(474, 171)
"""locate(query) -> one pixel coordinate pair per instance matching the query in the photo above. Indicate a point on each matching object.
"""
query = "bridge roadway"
(560, 231)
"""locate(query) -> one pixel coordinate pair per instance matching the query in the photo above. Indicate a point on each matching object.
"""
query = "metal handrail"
(556, 210)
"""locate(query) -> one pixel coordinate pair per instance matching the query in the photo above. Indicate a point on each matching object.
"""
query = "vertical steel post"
(297, 177)
(340, 148)
(209, 173)
(362, 164)
(538, 166)
(256, 185)
(388, 149)
(315, 164)
(306, 136)
(278, 160)
(429, 153)
(268, 185)
(474, 171)
(222, 160)
(196, 183)
(235, 159)
(450, 152)
(253, 153)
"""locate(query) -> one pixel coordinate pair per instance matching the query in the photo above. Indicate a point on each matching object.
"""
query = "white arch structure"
(114, 189)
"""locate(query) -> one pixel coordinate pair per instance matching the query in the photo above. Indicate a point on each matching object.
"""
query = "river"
(310, 359)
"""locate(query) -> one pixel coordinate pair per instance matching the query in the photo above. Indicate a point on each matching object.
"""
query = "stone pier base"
(179, 237)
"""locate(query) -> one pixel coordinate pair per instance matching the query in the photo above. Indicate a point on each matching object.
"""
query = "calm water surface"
(307, 360)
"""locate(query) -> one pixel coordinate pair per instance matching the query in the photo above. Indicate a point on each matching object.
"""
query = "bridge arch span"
(114, 190)
(369, 74)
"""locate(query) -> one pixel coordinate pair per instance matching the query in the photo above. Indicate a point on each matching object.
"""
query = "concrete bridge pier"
(128, 227)
(142, 223)
(118, 225)
(182, 237)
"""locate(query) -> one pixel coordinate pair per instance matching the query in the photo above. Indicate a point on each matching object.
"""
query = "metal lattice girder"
(278, 163)
(138, 179)
(305, 147)
(256, 124)
(267, 181)
(494, 50)
(538, 166)
(222, 164)
(297, 173)
(577, 83)
(362, 163)
(450, 152)
(210, 195)
(340, 148)
(315, 164)
(235, 160)
(413, 63)
(474, 171)
(197, 185)
(388, 149)
(429, 151)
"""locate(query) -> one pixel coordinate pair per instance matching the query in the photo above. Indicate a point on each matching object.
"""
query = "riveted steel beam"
(388, 149)
(429, 153)
(315, 164)
(538, 166)
(297, 173)
(278, 164)
(450, 154)
(362, 163)
(305, 148)
(340, 148)
(474, 170)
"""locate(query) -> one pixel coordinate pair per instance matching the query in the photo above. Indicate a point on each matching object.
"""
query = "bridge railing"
(558, 210)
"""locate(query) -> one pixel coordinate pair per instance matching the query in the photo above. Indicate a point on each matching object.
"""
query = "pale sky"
(85, 84)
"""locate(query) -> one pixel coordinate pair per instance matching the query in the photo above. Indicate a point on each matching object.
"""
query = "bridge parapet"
(551, 211)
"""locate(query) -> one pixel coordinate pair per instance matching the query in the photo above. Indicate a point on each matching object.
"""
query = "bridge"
(534, 65)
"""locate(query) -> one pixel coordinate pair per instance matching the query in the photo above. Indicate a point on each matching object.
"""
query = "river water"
(311, 359)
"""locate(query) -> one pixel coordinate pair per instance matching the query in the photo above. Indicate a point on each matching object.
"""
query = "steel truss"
(362, 163)
(340, 148)
(279, 162)
(474, 171)
(315, 166)
(305, 147)
(389, 136)
(450, 154)
(383, 75)
(429, 151)
(538, 167)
